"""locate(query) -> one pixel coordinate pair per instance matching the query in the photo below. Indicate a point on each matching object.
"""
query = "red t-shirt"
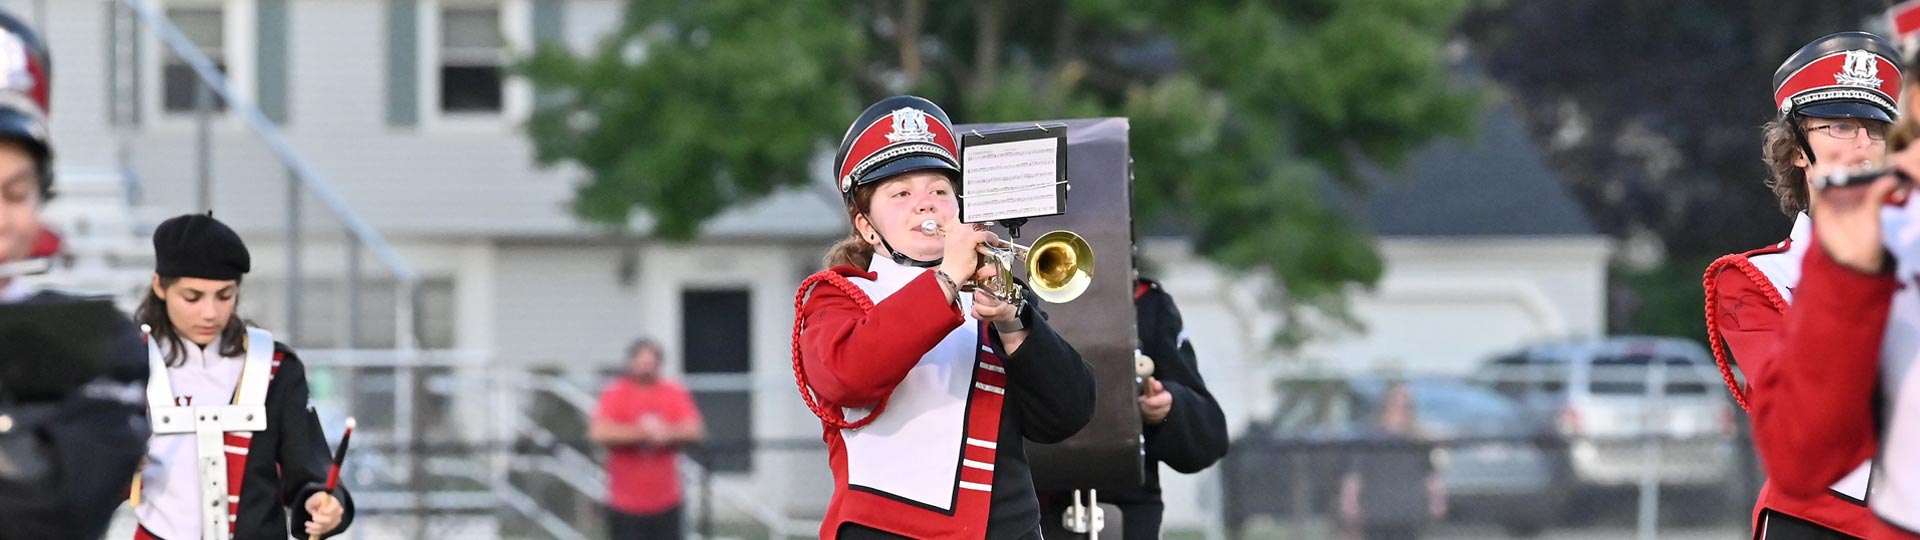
(644, 479)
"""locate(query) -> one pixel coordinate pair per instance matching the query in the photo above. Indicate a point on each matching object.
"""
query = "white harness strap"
(209, 423)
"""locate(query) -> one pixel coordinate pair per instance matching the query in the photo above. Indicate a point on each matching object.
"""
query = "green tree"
(1243, 112)
(1653, 111)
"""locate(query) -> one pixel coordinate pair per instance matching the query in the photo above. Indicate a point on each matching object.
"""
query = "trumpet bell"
(1060, 266)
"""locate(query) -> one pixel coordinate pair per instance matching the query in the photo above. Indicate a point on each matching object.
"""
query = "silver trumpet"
(1059, 266)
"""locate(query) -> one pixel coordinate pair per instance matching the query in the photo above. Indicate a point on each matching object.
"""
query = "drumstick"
(333, 472)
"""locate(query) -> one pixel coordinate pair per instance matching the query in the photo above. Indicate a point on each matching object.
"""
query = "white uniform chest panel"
(926, 414)
(193, 408)
(1783, 269)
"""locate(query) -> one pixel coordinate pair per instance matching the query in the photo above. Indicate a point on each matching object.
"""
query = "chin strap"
(1800, 136)
(899, 258)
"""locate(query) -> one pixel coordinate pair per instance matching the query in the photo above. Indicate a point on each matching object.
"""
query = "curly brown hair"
(1787, 180)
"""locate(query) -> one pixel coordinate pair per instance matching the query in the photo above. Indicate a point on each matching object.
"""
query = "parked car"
(1611, 397)
(1498, 462)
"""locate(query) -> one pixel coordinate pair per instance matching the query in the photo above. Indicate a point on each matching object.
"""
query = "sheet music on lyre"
(1013, 174)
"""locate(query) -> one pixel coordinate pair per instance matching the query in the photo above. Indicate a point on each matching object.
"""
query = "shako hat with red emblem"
(25, 79)
(1843, 75)
(896, 135)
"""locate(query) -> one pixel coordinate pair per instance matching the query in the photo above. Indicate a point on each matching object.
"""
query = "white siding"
(447, 181)
(563, 305)
(1445, 306)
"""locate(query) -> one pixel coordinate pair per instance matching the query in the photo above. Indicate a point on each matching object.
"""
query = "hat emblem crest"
(909, 124)
(1862, 68)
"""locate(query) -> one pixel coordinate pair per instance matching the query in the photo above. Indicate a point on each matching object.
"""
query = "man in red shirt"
(643, 420)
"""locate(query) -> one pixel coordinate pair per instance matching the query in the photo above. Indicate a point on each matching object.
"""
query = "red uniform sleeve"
(1811, 371)
(855, 357)
(1747, 319)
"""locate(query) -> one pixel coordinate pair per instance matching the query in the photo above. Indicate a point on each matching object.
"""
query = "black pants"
(1141, 521)
(662, 526)
(1778, 526)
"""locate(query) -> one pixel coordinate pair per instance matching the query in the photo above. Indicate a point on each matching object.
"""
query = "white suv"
(1613, 397)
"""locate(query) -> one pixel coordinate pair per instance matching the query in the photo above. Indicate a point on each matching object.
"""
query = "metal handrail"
(300, 171)
(778, 525)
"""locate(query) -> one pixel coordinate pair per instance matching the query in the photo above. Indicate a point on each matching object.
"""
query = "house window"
(205, 27)
(715, 331)
(472, 60)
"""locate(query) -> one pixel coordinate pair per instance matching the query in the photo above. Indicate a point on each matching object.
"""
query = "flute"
(1842, 179)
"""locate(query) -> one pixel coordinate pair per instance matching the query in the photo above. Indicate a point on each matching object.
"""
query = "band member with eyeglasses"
(1785, 313)
(926, 393)
(1868, 215)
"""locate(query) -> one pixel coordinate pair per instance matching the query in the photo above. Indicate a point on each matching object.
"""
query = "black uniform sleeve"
(66, 464)
(1051, 386)
(1194, 435)
(304, 455)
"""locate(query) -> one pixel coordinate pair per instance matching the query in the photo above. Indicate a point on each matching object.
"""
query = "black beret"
(198, 246)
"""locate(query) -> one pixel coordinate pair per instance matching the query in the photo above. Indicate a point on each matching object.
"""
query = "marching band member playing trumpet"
(1793, 314)
(925, 393)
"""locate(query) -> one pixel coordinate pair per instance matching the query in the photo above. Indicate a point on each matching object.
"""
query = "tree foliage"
(1241, 111)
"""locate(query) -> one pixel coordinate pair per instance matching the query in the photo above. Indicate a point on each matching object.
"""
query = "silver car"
(1614, 398)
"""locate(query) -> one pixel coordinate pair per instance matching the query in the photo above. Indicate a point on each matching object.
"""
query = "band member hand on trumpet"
(966, 252)
(1060, 264)
(964, 269)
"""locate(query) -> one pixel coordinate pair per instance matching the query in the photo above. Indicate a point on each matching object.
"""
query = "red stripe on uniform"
(983, 424)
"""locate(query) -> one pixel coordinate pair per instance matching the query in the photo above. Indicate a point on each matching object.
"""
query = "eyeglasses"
(1849, 130)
